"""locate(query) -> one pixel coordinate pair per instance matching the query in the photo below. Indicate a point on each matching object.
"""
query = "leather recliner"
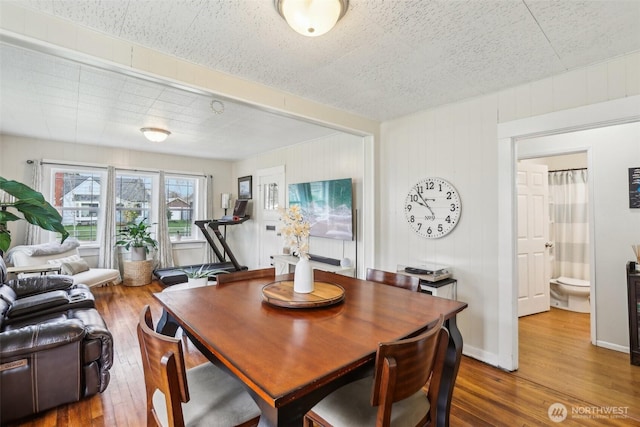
(54, 346)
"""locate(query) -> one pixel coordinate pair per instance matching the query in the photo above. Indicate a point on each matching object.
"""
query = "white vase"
(303, 276)
(138, 253)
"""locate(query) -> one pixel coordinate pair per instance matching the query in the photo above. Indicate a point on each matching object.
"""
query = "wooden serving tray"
(281, 294)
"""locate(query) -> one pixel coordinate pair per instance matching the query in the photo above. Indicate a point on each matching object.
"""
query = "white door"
(271, 197)
(533, 239)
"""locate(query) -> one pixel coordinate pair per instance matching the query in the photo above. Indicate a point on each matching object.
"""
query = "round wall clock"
(432, 208)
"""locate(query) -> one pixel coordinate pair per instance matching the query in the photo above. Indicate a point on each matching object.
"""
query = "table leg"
(167, 325)
(272, 417)
(449, 373)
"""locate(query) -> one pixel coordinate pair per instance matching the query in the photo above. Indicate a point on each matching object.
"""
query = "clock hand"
(425, 202)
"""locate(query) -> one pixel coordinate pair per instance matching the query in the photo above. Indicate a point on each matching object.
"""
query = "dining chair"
(203, 396)
(246, 275)
(395, 395)
(394, 279)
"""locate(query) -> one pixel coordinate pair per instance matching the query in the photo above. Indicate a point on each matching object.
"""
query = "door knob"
(548, 245)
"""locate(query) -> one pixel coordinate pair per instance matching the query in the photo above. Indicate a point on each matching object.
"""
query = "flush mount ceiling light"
(311, 18)
(155, 134)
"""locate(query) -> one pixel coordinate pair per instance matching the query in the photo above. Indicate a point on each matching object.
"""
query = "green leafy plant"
(136, 235)
(32, 206)
(202, 272)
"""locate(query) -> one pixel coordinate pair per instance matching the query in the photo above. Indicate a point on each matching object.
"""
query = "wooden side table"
(42, 269)
(137, 273)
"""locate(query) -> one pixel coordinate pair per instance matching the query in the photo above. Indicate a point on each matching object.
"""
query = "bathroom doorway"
(565, 269)
(568, 257)
(607, 131)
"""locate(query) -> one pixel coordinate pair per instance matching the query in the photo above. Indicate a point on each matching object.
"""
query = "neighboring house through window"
(77, 194)
(77, 198)
(181, 196)
(134, 195)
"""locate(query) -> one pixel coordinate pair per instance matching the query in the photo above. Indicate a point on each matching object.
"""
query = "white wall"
(561, 162)
(334, 157)
(458, 142)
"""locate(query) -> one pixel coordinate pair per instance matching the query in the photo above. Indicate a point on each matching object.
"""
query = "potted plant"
(33, 208)
(200, 276)
(135, 237)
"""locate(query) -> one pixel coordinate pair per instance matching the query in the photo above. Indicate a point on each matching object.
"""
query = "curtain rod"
(568, 170)
(96, 166)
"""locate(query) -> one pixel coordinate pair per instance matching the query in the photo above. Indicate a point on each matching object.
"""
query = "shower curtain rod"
(568, 170)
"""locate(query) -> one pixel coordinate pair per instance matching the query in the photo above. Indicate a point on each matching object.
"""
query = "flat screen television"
(327, 205)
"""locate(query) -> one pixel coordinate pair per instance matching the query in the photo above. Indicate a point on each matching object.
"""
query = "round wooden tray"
(281, 294)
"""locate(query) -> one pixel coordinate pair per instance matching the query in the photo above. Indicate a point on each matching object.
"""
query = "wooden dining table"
(290, 358)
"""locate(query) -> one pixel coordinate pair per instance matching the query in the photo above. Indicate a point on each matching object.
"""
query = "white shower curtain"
(570, 223)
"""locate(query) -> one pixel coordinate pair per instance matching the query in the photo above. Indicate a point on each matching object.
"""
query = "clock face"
(432, 208)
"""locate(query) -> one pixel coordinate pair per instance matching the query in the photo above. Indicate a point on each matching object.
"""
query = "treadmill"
(174, 275)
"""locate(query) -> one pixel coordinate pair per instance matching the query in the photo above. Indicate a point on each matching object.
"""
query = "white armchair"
(67, 257)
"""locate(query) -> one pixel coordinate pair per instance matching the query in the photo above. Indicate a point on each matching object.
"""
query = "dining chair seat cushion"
(217, 399)
(350, 406)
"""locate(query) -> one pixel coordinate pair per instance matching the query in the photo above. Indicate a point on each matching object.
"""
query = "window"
(181, 200)
(133, 199)
(77, 194)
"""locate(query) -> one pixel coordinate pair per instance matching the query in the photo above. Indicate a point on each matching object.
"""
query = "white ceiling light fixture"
(311, 18)
(155, 134)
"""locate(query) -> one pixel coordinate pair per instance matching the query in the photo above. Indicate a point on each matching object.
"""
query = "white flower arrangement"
(295, 230)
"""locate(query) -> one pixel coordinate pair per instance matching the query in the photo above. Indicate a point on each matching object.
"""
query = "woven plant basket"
(137, 273)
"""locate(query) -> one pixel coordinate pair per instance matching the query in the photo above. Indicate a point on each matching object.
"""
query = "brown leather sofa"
(54, 346)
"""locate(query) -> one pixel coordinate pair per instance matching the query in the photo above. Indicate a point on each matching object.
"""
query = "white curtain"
(108, 256)
(32, 232)
(165, 248)
(570, 223)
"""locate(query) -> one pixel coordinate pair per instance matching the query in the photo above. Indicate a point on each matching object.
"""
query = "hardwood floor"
(555, 367)
(558, 364)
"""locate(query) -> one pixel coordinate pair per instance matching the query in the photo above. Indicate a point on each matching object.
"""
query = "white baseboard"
(611, 346)
(481, 355)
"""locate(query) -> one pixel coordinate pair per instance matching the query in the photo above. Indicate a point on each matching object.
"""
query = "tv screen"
(327, 205)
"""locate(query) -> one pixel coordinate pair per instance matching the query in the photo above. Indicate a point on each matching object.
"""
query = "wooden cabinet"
(633, 286)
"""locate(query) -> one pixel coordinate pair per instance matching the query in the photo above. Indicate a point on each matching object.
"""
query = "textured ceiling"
(43, 96)
(384, 59)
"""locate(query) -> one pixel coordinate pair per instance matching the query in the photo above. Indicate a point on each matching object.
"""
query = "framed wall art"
(634, 188)
(244, 187)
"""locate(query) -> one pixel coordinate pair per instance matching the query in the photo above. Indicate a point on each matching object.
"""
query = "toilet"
(570, 294)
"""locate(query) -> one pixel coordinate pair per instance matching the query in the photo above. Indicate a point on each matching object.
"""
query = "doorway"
(567, 221)
(511, 135)
(271, 198)
(562, 225)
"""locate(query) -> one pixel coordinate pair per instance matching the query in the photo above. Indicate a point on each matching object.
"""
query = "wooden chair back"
(404, 367)
(246, 275)
(325, 276)
(164, 370)
(394, 279)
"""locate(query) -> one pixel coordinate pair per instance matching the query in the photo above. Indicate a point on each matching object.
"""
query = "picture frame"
(634, 188)
(245, 186)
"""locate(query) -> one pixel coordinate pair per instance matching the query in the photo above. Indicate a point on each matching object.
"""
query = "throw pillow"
(58, 261)
(74, 267)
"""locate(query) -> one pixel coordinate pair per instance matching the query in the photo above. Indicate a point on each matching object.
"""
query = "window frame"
(68, 169)
(51, 168)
